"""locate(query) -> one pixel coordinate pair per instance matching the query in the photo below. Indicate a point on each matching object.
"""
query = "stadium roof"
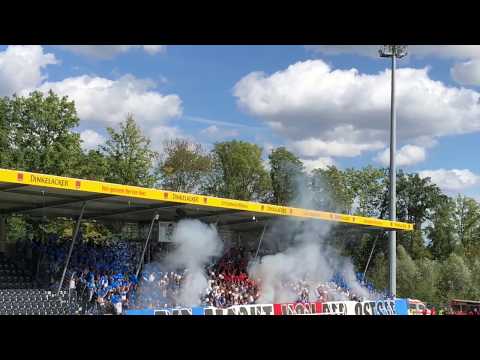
(55, 196)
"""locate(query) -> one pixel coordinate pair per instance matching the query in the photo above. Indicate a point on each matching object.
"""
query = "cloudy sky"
(328, 104)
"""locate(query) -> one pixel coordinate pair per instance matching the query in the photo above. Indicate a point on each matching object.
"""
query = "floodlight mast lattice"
(394, 52)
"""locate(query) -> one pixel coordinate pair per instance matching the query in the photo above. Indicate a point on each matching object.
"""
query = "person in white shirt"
(71, 287)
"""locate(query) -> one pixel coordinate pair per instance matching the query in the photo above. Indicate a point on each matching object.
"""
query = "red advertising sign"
(298, 309)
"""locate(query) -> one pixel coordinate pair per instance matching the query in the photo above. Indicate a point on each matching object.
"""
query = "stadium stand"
(12, 276)
(18, 295)
(35, 302)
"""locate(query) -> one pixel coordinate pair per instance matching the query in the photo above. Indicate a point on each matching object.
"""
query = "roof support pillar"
(75, 234)
(140, 261)
(261, 238)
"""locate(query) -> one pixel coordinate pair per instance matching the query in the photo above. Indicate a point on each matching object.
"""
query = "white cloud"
(21, 67)
(326, 111)
(214, 132)
(460, 52)
(453, 180)
(99, 101)
(154, 49)
(405, 156)
(315, 147)
(160, 133)
(91, 139)
(108, 102)
(110, 51)
(466, 73)
(319, 163)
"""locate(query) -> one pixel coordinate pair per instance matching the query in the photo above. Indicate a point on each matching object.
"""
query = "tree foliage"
(286, 171)
(184, 167)
(130, 158)
(238, 171)
(39, 133)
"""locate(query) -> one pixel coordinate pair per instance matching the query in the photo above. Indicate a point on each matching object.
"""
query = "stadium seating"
(12, 276)
(19, 297)
(35, 302)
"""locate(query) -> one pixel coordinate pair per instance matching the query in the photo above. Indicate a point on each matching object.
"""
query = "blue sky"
(328, 104)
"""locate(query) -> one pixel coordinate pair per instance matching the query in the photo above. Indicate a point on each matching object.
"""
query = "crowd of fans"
(102, 279)
(227, 284)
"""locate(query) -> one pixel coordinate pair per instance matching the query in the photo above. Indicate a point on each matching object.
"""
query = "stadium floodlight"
(393, 52)
(400, 51)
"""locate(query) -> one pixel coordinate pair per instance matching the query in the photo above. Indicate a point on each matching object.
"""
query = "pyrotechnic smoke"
(304, 257)
(196, 244)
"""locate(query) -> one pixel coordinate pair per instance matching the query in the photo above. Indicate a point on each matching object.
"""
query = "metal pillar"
(369, 258)
(75, 234)
(260, 241)
(392, 236)
(140, 261)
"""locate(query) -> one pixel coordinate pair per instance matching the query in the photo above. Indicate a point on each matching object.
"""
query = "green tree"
(455, 279)
(426, 285)
(378, 273)
(130, 159)
(285, 172)
(93, 166)
(369, 185)
(474, 266)
(40, 133)
(467, 224)
(5, 151)
(238, 172)
(441, 230)
(406, 273)
(332, 189)
(416, 200)
(184, 167)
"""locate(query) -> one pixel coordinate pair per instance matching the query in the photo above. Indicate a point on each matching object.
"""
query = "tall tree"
(426, 285)
(368, 185)
(441, 230)
(129, 156)
(93, 166)
(332, 189)
(184, 167)
(467, 224)
(5, 151)
(406, 273)
(238, 171)
(285, 172)
(455, 279)
(40, 133)
(416, 200)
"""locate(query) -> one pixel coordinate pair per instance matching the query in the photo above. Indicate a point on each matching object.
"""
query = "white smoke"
(304, 257)
(196, 244)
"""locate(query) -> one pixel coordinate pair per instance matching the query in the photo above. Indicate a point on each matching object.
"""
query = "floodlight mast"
(394, 52)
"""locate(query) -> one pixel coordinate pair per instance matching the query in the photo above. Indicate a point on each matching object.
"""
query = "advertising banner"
(298, 309)
(379, 307)
(264, 309)
(180, 311)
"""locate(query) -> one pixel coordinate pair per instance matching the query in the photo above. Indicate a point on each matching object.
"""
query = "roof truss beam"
(54, 204)
(132, 210)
